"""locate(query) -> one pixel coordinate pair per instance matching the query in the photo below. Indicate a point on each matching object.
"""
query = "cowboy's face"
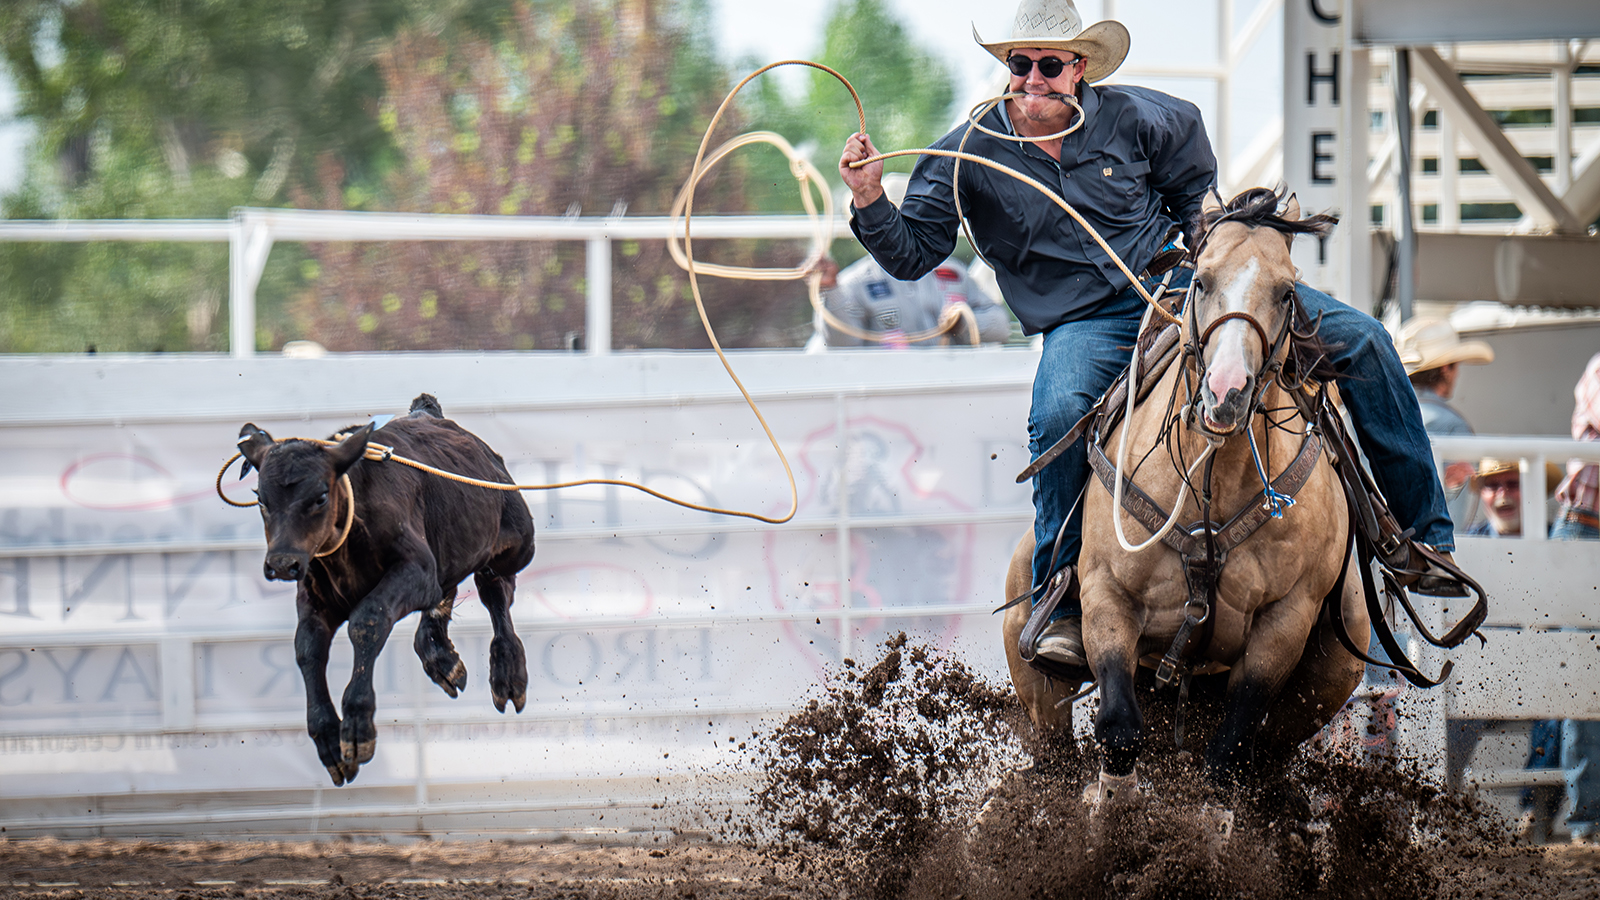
(1501, 494)
(1039, 105)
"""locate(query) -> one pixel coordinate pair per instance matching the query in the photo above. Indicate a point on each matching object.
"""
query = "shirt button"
(1106, 171)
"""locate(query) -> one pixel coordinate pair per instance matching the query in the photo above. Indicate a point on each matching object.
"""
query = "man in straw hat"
(1137, 168)
(1499, 486)
(1433, 354)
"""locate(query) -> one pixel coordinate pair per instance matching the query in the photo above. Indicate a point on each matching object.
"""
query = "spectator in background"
(1579, 493)
(1433, 353)
(1499, 486)
(866, 300)
(1577, 521)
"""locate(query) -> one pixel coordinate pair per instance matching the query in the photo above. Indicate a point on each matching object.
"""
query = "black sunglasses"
(1049, 67)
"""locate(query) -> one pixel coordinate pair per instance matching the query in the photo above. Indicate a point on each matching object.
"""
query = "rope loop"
(822, 238)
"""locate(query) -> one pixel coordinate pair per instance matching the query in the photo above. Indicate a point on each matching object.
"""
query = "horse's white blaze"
(1227, 369)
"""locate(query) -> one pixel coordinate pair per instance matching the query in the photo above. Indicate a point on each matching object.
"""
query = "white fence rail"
(251, 233)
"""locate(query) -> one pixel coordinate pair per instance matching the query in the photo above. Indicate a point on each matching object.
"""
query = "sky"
(1163, 31)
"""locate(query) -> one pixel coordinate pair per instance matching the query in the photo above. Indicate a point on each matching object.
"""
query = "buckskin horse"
(1250, 607)
(370, 543)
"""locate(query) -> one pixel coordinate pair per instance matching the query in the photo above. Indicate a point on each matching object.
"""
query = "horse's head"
(1242, 305)
(295, 493)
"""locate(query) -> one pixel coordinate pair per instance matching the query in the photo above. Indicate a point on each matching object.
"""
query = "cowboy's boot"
(1056, 647)
(1429, 573)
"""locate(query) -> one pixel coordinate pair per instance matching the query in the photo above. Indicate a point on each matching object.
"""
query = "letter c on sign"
(1322, 16)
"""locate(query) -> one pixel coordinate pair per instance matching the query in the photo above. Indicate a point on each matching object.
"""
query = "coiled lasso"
(822, 234)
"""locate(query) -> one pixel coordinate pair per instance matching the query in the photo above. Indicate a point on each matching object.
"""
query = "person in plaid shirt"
(1580, 492)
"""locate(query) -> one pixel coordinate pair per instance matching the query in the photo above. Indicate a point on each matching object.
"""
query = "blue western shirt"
(1140, 163)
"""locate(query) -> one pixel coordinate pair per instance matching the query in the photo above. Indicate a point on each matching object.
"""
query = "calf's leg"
(433, 646)
(311, 640)
(508, 663)
(404, 589)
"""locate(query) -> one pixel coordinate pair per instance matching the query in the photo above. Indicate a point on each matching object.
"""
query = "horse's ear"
(349, 450)
(1211, 203)
(1291, 209)
(254, 444)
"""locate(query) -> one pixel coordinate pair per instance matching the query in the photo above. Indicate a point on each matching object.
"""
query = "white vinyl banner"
(146, 662)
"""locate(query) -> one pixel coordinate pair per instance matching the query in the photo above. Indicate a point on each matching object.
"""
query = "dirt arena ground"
(135, 870)
(906, 782)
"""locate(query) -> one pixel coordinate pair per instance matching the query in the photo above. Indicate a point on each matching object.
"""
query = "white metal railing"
(251, 233)
(1533, 452)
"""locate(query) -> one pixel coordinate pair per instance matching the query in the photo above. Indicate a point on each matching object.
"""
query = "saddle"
(1203, 546)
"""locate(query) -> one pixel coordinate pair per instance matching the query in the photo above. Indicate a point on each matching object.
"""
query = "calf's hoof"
(454, 682)
(356, 753)
(343, 773)
(517, 701)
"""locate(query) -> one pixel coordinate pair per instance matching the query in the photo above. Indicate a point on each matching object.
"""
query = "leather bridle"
(1272, 348)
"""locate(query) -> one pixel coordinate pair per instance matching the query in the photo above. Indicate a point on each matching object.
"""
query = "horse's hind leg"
(1039, 694)
(438, 655)
(508, 663)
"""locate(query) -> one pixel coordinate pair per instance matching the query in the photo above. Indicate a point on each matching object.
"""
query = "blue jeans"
(1081, 359)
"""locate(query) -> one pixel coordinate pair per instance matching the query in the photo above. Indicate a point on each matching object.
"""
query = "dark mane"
(1258, 207)
(1308, 355)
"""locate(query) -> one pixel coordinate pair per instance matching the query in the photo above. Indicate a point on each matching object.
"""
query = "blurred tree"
(580, 106)
(187, 108)
(906, 90)
(181, 108)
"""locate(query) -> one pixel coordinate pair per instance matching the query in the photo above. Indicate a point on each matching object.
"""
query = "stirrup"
(1430, 572)
(1061, 585)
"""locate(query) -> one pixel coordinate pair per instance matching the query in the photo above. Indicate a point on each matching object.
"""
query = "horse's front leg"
(312, 638)
(1277, 640)
(404, 589)
(1111, 639)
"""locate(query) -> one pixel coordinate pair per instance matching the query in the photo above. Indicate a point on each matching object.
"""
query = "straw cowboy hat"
(1428, 343)
(1490, 466)
(1056, 25)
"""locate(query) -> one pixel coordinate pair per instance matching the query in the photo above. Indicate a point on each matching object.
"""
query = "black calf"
(415, 537)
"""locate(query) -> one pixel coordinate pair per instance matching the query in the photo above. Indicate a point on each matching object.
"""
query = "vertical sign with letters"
(1324, 142)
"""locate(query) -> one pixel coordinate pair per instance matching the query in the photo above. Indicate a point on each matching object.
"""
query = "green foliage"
(190, 108)
(179, 109)
(580, 106)
(907, 93)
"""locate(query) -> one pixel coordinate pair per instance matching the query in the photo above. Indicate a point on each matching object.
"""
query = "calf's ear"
(349, 450)
(254, 444)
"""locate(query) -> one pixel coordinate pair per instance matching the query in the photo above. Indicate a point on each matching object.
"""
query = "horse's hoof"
(1111, 789)
(1219, 821)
